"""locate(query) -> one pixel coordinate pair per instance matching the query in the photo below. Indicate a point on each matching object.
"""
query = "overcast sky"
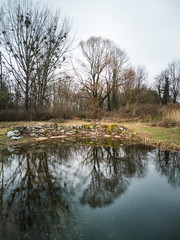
(148, 30)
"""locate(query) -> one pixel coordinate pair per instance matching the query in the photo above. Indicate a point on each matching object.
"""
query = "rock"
(107, 136)
(16, 132)
(62, 131)
(16, 138)
(10, 134)
(69, 133)
(47, 125)
(33, 135)
(41, 131)
(38, 126)
(54, 125)
(21, 130)
(42, 138)
(17, 135)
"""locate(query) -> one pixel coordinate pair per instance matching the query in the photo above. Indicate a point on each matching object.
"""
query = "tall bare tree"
(114, 76)
(34, 42)
(99, 69)
(174, 79)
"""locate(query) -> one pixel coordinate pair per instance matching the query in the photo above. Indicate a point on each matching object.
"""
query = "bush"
(140, 111)
(22, 115)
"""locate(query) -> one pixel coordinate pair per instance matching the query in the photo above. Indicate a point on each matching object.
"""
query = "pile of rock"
(17, 133)
(53, 130)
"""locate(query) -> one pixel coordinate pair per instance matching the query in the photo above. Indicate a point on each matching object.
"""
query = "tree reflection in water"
(33, 202)
(110, 171)
(168, 164)
(42, 186)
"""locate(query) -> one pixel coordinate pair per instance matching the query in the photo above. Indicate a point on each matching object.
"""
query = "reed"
(171, 115)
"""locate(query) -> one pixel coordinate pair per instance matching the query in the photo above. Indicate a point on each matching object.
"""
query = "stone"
(17, 135)
(10, 134)
(41, 131)
(16, 138)
(38, 126)
(62, 131)
(107, 136)
(47, 125)
(33, 135)
(69, 133)
(16, 132)
(42, 138)
(54, 125)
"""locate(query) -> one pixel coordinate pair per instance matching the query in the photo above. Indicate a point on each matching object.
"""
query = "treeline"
(38, 80)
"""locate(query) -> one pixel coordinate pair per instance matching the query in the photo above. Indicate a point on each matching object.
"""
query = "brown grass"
(171, 115)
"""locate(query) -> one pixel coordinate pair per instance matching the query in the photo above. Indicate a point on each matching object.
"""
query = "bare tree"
(114, 76)
(174, 79)
(64, 96)
(167, 83)
(99, 69)
(129, 76)
(135, 85)
(141, 76)
(34, 43)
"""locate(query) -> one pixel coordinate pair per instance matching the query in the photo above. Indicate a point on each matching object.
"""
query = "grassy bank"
(165, 138)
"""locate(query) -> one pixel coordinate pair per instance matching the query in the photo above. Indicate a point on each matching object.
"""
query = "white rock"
(10, 134)
(16, 131)
(15, 138)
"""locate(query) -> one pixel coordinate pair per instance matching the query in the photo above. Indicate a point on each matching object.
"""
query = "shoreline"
(125, 132)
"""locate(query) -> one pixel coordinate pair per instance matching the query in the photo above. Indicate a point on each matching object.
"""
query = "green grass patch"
(168, 138)
(170, 135)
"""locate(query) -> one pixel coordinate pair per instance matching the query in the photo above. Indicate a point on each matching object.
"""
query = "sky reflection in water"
(89, 191)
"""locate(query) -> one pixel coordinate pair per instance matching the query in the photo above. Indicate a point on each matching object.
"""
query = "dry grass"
(171, 115)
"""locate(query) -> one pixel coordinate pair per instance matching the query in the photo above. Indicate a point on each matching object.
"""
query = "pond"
(89, 190)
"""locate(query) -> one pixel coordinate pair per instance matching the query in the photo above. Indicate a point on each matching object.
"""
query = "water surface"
(77, 190)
